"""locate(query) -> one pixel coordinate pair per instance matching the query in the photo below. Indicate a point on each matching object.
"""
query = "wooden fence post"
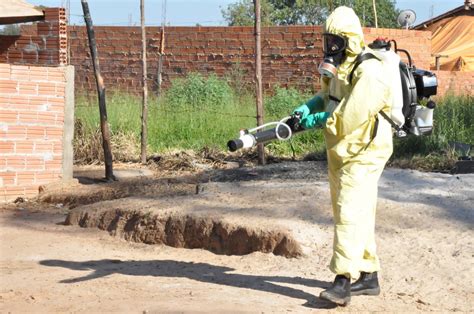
(144, 133)
(104, 126)
(258, 78)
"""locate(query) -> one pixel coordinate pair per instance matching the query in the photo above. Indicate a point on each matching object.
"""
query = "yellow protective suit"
(355, 158)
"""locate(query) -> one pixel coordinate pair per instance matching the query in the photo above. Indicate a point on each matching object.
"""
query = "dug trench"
(186, 231)
(162, 211)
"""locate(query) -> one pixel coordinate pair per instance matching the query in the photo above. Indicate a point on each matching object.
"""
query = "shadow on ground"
(202, 272)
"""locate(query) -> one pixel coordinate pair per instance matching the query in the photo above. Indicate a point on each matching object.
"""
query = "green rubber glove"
(314, 104)
(314, 120)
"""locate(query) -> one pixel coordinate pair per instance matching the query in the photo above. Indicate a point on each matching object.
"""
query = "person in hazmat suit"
(358, 143)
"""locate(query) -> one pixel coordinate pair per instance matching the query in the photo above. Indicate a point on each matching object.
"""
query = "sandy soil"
(424, 231)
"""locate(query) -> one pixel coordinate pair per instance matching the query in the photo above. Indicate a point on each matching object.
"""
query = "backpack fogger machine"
(412, 88)
(412, 108)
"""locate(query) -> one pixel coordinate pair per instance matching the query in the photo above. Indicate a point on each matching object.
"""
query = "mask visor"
(333, 44)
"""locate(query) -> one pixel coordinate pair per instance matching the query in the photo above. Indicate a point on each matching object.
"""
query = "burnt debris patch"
(187, 231)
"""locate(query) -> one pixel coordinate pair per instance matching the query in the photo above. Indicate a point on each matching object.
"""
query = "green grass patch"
(453, 122)
(198, 112)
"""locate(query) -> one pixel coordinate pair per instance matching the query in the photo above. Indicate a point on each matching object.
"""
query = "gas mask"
(334, 49)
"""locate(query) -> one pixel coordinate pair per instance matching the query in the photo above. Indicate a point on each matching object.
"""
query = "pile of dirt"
(76, 194)
(186, 231)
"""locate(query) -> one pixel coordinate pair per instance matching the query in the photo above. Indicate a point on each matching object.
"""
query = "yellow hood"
(344, 22)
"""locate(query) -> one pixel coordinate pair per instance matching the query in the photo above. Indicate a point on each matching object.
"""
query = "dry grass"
(88, 146)
(432, 162)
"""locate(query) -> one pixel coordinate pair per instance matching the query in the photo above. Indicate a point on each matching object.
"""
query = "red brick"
(54, 133)
(35, 163)
(13, 132)
(25, 178)
(39, 101)
(7, 178)
(38, 73)
(28, 88)
(18, 100)
(28, 117)
(53, 164)
(24, 147)
(13, 191)
(7, 147)
(16, 162)
(8, 116)
(36, 132)
(46, 118)
(19, 72)
(57, 148)
(43, 147)
(47, 89)
(31, 191)
(46, 176)
(4, 101)
(8, 87)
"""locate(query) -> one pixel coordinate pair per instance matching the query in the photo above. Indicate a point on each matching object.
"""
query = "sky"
(203, 12)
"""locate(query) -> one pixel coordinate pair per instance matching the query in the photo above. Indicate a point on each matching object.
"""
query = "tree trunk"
(104, 126)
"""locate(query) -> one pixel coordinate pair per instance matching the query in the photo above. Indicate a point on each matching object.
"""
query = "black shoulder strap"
(333, 98)
(386, 117)
(361, 58)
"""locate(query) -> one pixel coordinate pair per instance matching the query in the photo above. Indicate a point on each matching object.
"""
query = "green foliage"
(386, 12)
(280, 105)
(184, 119)
(11, 30)
(283, 102)
(196, 92)
(309, 12)
(236, 78)
(194, 112)
(242, 13)
(453, 122)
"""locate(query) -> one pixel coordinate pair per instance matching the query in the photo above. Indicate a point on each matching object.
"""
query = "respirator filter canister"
(334, 47)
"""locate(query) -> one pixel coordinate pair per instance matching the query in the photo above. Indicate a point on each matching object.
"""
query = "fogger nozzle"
(234, 145)
(282, 131)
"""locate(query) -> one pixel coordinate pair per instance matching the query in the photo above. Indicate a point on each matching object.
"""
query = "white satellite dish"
(406, 18)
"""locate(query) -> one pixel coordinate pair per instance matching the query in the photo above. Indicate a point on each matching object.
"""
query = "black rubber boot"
(340, 291)
(367, 284)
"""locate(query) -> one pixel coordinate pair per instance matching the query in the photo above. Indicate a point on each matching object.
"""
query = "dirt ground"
(424, 234)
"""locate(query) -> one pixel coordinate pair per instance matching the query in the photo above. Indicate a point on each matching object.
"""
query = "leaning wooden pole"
(258, 78)
(144, 134)
(104, 126)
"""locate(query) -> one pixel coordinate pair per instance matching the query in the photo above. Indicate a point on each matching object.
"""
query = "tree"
(242, 13)
(309, 12)
(386, 12)
(11, 30)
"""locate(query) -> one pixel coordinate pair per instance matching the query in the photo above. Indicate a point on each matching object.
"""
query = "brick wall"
(455, 82)
(35, 86)
(291, 54)
(31, 128)
(43, 43)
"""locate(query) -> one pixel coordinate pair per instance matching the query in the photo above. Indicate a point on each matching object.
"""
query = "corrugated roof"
(18, 11)
(468, 5)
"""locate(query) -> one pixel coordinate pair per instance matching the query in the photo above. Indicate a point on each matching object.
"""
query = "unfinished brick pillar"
(36, 107)
(43, 43)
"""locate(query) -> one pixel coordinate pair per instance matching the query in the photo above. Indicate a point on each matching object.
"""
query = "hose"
(278, 124)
